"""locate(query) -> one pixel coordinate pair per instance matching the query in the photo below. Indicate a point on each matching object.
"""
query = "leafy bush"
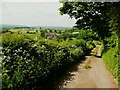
(78, 42)
(77, 53)
(111, 41)
(32, 63)
(28, 64)
(4, 30)
(87, 35)
(13, 40)
(90, 45)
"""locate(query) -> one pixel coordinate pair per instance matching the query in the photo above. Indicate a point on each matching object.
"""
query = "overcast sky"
(34, 13)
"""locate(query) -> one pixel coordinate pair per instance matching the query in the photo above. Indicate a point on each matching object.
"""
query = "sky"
(34, 13)
(0, 13)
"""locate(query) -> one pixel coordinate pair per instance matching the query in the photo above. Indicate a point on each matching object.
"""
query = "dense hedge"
(111, 60)
(110, 55)
(30, 64)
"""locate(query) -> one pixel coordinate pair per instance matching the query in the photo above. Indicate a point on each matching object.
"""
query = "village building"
(51, 36)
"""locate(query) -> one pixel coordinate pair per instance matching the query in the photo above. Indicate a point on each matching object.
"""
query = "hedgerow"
(111, 55)
(29, 64)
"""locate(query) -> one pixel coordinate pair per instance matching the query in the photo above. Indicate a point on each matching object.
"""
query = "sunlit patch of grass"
(86, 66)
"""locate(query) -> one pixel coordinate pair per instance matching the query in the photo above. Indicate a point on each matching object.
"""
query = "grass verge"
(111, 62)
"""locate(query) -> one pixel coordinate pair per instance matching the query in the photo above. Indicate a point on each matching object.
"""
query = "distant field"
(32, 33)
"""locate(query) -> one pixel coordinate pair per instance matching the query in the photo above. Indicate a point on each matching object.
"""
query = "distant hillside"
(11, 26)
(43, 27)
(52, 27)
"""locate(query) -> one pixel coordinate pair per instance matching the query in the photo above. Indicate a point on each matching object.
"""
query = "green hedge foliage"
(111, 55)
(111, 60)
(29, 64)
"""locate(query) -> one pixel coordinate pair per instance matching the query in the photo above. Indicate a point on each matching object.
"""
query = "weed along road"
(91, 73)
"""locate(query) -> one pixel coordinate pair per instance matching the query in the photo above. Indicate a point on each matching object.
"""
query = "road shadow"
(67, 75)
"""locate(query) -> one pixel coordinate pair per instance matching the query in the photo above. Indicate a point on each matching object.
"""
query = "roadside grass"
(111, 62)
(0, 72)
(0, 80)
(0, 40)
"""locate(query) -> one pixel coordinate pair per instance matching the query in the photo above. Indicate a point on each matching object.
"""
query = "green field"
(37, 33)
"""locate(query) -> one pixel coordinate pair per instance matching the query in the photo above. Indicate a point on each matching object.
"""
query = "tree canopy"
(99, 16)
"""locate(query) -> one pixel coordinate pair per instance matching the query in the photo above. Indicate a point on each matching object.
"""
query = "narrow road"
(96, 76)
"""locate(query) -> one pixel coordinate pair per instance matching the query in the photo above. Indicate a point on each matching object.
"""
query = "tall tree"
(94, 15)
(114, 14)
